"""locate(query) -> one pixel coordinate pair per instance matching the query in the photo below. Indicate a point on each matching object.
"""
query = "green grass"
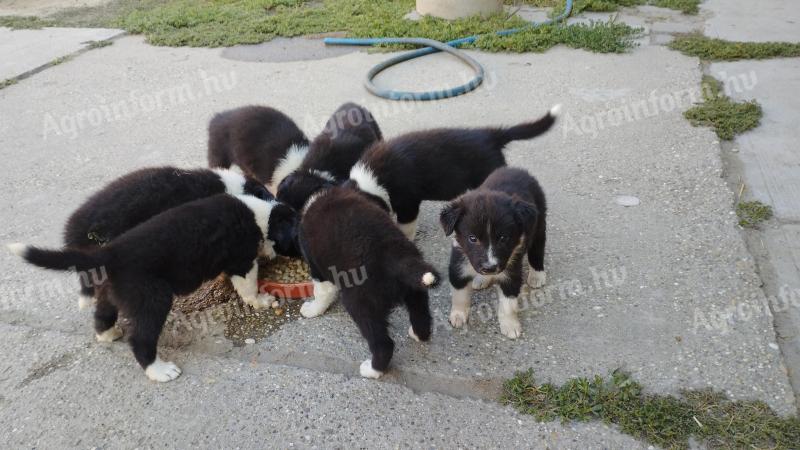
(753, 213)
(727, 117)
(661, 420)
(720, 50)
(100, 44)
(685, 6)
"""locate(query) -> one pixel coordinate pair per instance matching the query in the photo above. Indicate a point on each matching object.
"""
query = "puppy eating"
(349, 131)
(496, 226)
(264, 142)
(140, 195)
(170, 254)
(352, 245)
(435, 165)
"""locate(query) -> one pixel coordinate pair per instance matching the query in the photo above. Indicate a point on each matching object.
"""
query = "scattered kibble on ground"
(727, 117)
(711, 49)
(708, 416)
(753, 213)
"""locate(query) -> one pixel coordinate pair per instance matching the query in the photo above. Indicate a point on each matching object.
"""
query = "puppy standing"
(352, 245)
(263, 141)
(140, 195)
(436, 165)
(495, 227)
(349, 131)
(170, 254)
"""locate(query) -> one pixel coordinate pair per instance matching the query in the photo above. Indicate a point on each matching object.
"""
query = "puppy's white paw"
(260, 301)
(162, 371)
(481, 282)
(458, 318)
(313, 308)
(85, 301)
(510, 327)
(413, 335)
(110, 335)
(536, 278)
(368, 372)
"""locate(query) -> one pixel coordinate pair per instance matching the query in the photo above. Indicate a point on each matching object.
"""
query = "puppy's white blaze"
(162, 371)
(367, 182)
(288, 164)
(324, 174)
(234, 182)
(236, 169)
(490, 258)
(110, 335)
(555, 110)
(18, 249)
(428, 279)
(367, 371)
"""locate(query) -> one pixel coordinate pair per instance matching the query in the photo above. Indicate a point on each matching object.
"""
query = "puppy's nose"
(488, 268)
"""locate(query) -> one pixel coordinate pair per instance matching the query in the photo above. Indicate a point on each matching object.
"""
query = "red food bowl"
(291, 291)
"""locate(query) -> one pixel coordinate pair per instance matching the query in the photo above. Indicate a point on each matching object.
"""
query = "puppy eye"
(472, 238)
(502, 238)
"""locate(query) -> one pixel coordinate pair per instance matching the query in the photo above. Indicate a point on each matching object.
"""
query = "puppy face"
(299, 186)
(283, 229)
(489, 227)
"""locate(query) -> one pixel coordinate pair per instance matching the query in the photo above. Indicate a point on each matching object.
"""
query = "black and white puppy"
(436, 164)
(264, 142)
(140, 195)
(353, 246)
(349, 131)
(170, 254)
(495, 227)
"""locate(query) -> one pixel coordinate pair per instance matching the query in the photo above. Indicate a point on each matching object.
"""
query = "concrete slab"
(25, 51)
(743, 20)
(288, 49)
(676, 265)
(769, 152)
(42, 7)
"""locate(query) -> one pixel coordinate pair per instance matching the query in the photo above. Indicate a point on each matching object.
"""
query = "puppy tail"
(415, 273)
(66, 259)
(529, 130)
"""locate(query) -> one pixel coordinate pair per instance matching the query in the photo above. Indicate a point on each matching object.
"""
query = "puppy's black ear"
(258, 190)
(525, 213)
(449, 217)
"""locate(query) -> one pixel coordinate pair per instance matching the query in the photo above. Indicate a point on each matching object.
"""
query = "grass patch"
(721, 50)
(99, 44)
(726, 117)
(753, 213)
(661, 420)
(685, 6)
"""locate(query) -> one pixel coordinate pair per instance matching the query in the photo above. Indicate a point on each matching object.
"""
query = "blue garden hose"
(432, 46)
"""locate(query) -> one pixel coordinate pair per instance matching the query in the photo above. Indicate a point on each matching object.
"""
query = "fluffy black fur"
(170, 254)
(440, 164)
(343, 232)
(254, 138)
(495, 226)
(350, 130)
(140, 195)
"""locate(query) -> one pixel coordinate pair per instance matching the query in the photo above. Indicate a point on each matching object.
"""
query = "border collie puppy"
(352, 245)
(172, 253)
(264, 142)
(437, 164)
(140, 195)
(349, 131)
(495, 227)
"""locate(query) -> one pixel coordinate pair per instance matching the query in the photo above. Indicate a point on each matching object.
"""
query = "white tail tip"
(428, 279)
(555, 110)
(18, 249)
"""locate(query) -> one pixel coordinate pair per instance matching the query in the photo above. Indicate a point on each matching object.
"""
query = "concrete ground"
(667, 290)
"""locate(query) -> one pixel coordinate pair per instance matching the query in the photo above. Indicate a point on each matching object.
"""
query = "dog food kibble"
(285, 270)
